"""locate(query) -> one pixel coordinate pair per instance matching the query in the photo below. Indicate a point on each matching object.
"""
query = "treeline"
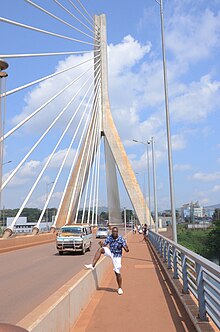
(203, 242)
(32, 214)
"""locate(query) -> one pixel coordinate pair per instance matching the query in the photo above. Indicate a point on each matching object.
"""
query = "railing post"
(185, 289)
(161, 247)
(175, 270)
(168, 257)
(155, 241)
(158, 244)
(200, 290)
(164, 251)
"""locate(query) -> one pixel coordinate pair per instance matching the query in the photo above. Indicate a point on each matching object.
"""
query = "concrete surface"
(149, 303)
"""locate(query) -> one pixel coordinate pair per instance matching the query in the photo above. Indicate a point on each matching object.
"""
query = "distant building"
(198, 212)
(164, 221)
(192, 211)
(208, 211)
(22, 226)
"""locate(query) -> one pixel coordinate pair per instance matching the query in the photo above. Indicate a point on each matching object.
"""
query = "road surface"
(28, 276)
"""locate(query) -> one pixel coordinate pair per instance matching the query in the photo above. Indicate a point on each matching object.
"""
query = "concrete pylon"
(75, 183)
(112, 136)
(115, 154)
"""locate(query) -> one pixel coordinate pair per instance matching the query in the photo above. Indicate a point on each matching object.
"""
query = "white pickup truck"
(74, 238)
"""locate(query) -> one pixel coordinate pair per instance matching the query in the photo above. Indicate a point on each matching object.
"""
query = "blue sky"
(192, 33)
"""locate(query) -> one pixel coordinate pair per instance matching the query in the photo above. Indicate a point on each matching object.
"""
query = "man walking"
(116, 244)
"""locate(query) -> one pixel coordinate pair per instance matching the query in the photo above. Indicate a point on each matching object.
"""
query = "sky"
(136, 91)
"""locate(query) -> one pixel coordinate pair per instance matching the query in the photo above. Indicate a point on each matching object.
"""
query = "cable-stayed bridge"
(66, 125)
(81, 112)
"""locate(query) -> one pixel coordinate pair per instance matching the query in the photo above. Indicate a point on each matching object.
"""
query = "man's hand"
(126, 248)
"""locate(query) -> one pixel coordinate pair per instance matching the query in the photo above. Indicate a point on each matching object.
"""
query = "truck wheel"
(60, 253)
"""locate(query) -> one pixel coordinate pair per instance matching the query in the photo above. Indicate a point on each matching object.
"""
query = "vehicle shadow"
(69, 253)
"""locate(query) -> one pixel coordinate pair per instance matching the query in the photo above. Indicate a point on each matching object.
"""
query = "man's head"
(115, 232)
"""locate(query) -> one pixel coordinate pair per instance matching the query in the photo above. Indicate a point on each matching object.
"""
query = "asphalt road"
(28, 276)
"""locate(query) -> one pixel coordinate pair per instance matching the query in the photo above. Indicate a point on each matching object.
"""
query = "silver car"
(102, 232)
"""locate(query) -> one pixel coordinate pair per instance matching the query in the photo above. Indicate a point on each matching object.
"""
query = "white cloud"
(59, 157)
(44, 91)
(205, 201)
(192, 37)
(26, 172)
(126, 54)
(197, 101)
(39, 201)
(181, 167)
(32, 168)
(216, 188)
(206, 177)
(178, 142)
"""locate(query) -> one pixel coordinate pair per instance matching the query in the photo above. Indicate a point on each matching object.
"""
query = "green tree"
(213, 241)
(104, 215)
(216, 215)
(129, 215)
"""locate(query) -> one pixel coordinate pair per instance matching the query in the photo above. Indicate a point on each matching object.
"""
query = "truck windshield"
(74, 230)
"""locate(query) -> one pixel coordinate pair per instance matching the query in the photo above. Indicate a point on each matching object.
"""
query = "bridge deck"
(148, 301)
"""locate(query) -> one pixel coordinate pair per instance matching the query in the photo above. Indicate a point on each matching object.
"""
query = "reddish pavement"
(148, 302)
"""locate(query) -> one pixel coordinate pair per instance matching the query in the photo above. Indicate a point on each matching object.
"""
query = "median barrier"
(24, 241)
(62, 309)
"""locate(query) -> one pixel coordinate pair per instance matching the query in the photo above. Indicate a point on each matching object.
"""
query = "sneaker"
(89, 266)
(120, 291)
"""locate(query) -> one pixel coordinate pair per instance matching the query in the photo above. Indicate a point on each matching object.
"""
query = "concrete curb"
(29, 240)
(62, 309)
(25, 241)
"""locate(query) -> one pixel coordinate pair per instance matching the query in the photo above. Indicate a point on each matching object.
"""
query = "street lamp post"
(7, 162)
(3, 75)
(148, 174)
(145, 195)
(47, 185)
(169, 147)
(125, 221)
(155, 184)
(148, 178)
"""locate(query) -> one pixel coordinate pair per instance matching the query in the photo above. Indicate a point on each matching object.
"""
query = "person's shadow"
(107, 289)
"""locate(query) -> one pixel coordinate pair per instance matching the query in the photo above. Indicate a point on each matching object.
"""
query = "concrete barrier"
(24, 241)
(61, 310)
(29, 240)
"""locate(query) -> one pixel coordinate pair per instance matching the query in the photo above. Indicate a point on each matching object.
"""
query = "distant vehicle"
(102, 232)
(74, 238)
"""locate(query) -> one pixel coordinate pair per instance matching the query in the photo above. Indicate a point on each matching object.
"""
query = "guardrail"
(199, 276)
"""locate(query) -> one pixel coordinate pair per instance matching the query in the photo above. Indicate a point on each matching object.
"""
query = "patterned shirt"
(115, 245)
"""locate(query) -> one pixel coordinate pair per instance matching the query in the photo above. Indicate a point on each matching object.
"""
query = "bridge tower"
(115, 155)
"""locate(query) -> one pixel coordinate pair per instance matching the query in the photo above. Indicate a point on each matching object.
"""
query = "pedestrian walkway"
(148, 303)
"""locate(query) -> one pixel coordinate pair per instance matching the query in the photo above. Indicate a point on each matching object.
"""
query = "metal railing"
(199, 276)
